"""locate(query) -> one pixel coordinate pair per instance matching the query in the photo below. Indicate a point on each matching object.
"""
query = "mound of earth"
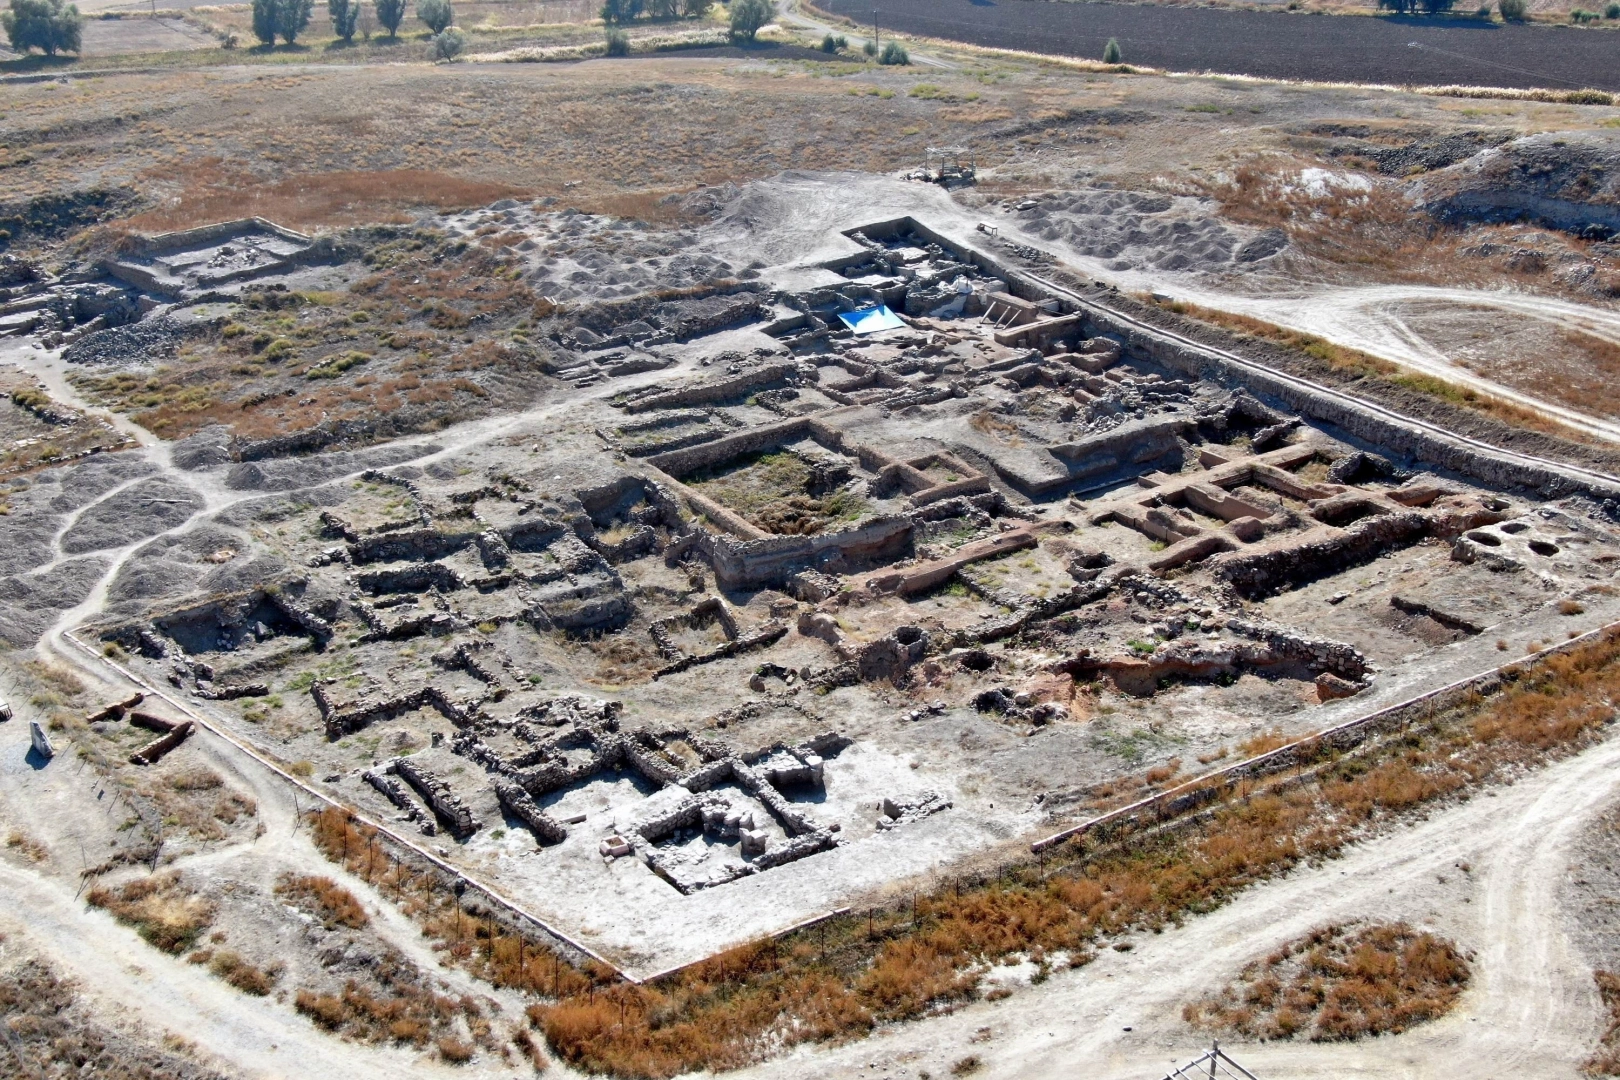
(1135, 230)
(150, 507)
(1568, 181)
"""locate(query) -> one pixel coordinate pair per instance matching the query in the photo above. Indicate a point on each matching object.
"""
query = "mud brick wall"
(759, 378)
(773, 560)
(418, 545)
(678, 463)
(517, 802)
(445, 803)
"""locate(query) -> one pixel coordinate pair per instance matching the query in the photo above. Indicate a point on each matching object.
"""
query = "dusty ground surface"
(439, 500)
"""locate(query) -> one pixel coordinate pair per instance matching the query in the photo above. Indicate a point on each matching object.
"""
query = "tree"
(390, 13)
(1111, 53)
(620, 11)
(1513, 10)
(696, 9)
(46, 25)
(291, 18)
(438, 14)
(264, 21)
(747, 16)
(448, 43)
(345, 17)
(663, 9)
(894, 54)
(285, 19)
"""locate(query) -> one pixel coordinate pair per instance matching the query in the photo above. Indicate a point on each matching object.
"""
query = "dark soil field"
(1402, 51)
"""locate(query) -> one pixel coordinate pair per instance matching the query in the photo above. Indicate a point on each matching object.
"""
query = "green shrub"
(1612, 11)
(437, 14)
(869, 48)
(447, 44)
(894, 54)
(747, 16)
(46, 25)
(834, 43)
(337, 365)
(1513, 10)
(390, 13)
(1581, 15)
(1111, 52)
(618, 42)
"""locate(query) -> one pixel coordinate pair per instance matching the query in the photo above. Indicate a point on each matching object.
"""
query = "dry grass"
(27, 846)
(237, 971)
(1606, 1060)
(159, 908)
(1340, 982)
(324, 898)
(213, 192)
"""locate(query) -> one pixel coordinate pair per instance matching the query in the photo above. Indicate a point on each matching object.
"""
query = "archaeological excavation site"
(1039, 609)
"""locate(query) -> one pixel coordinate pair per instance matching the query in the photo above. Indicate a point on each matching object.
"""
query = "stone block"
(40, 740)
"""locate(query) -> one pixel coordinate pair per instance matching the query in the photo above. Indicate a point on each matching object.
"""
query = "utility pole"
(877, 46)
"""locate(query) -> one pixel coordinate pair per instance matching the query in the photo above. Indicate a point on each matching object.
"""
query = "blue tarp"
(871, 320)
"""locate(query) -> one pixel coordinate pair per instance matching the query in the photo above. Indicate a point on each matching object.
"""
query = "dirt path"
(1532, 1010)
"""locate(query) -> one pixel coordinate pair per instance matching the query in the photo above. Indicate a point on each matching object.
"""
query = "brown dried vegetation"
(1340, 982)
(324, 898)
(159, 908)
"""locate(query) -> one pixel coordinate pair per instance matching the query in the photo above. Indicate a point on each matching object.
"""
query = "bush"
(620, 11)
(345, 16)
(46, 25)
(1612, 11)
(285, 19)
(1581, 15)
(696, 9)
(446, 45)
(1483, 11)
(869, 48)
(895, 54)
(438, 14)
(1111, 53)
(834, 43)
(747, 16)
(618, 42)
(390, 13)
(1513, 10)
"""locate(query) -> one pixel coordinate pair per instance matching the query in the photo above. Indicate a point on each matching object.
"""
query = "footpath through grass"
(840, 979)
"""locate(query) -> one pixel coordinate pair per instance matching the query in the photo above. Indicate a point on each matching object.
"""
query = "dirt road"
(1531, 1012)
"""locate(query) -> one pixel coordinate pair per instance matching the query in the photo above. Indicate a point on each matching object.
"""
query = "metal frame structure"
(1213, 1064)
